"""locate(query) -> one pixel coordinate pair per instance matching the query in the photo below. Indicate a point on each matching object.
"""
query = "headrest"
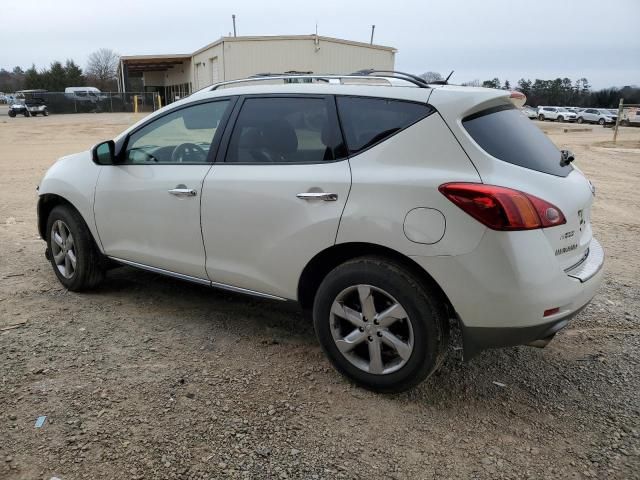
(279, 136)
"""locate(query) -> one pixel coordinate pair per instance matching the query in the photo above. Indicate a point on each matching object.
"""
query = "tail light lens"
(501, 208)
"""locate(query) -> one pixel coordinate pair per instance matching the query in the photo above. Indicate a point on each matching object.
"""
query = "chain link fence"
(93, 102)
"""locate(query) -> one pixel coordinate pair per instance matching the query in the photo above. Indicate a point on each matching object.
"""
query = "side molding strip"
(197, 280)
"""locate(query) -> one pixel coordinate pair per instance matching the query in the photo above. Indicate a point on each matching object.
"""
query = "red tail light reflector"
(501, 208)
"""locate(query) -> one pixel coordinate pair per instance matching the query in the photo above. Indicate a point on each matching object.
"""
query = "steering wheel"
(188, 152)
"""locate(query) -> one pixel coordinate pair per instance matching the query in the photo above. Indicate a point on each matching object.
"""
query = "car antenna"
(446, 80)
(443, 82)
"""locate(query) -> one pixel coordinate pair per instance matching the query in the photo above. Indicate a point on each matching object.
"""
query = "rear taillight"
(517, 98)
(501, 208)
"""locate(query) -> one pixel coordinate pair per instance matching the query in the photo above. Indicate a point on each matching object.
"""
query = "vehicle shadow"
(533, 375)
(205, 304)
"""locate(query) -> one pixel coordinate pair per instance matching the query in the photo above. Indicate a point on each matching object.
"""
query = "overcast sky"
(597, 39)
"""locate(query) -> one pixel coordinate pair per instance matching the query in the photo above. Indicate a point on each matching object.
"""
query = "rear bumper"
(477, 339)
(501, 291)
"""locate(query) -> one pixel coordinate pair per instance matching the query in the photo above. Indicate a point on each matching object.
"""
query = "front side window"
(285, 130)
(367, 121)
(182, 136)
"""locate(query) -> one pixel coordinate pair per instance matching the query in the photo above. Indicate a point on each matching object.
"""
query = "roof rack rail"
(408, 77)
(370, 74)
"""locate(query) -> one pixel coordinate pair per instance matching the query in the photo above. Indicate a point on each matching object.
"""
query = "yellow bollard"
(135, 104)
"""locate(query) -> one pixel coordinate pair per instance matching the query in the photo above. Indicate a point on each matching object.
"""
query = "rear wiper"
(567, 157)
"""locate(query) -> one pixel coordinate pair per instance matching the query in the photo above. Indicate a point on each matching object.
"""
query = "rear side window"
(505, 134)
(367, 121)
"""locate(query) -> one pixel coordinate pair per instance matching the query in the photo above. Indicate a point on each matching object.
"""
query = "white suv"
(559, 114)
(385, 210)
(597, 115)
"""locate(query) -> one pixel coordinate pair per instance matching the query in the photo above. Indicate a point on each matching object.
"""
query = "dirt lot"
(152, 378)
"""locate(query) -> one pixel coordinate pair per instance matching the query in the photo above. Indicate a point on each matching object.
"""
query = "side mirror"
(104, 153)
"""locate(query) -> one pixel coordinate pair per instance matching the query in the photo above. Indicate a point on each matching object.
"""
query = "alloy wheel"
(371, 329)
(63, 249)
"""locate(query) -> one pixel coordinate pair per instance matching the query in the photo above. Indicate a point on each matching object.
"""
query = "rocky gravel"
(151, 378)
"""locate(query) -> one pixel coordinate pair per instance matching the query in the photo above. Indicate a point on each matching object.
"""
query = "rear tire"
(12, 114)
(75, 259)
(601, 122)
(580, 120)
(625, 123)
(45, 112)
(560, 119)
(384, 353)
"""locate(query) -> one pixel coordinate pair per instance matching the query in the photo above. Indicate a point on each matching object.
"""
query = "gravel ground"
(151, 378)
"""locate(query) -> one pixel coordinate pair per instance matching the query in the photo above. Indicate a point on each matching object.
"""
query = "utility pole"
(233, 17)
(373, 28)
(618, 119)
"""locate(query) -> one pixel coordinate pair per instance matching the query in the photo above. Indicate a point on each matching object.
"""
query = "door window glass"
(183, 136)
(285, 130)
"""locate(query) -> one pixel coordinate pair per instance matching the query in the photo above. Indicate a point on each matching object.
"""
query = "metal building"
(229, 58)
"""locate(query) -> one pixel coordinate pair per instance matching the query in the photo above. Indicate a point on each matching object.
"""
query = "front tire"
(12, 114)
(541, 117)
(380, 326)
(74, 256)
(580, 120)
(45, 112)
(601, 122)
(560, 119)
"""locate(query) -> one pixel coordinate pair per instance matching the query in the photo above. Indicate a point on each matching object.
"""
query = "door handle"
(327, 197)
(183, 192)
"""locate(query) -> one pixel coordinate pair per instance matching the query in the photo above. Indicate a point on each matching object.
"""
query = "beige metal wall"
(247, 57)
(207, 67)
(230, 59)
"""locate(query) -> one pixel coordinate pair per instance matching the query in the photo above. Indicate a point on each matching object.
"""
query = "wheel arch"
(325, 261)
(46, 203)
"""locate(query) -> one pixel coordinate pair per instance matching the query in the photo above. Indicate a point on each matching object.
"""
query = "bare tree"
(102, 68)
(430, 77)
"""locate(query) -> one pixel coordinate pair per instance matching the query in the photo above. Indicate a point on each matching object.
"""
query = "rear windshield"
(511, 137)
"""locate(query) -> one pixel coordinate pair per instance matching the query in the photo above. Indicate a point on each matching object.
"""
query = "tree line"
(561, 92)
(101, 72)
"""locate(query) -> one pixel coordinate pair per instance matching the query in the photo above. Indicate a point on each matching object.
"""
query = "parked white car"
(529, 112)
(601, 116)
(631, 118)
(386, 211)
(559, 114)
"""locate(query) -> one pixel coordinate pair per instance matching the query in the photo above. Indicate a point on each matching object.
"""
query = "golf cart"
(29, 104)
